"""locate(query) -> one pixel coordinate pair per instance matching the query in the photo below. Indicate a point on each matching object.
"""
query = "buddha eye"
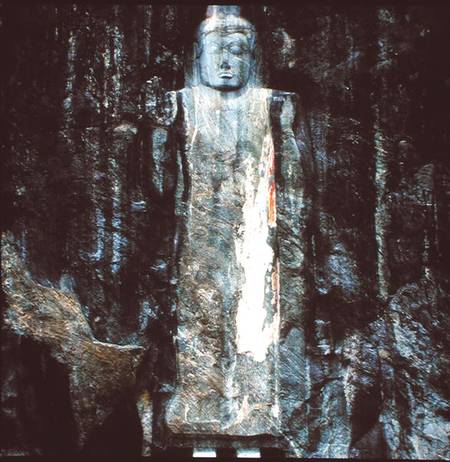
(215, 48)
(236, 49)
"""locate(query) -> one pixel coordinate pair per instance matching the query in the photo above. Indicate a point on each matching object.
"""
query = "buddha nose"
(224, 59)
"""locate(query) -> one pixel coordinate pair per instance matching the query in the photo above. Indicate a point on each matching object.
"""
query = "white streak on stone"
(117, 57)
(380, 212)
(243, 411)
(107, 66)
(148, 12)
(145, 411)
(351, 353)
(116, 219)
(145, 315)
(229, 384)
(426, 257)
(293, 450)
(255, 255)
(23, 246)
(71, 54)
(126, 129)
(100, 225)
(380, 181)
(276, 407)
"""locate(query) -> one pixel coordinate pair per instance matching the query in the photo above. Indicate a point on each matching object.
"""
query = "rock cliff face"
(88, 323)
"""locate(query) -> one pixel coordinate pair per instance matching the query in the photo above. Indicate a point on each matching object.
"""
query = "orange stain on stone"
(272, 204)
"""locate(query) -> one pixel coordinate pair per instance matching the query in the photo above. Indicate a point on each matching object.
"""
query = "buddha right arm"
(163, 147)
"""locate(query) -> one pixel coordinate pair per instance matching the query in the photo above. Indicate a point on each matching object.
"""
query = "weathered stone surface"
(99, 374)
(415, 373)
(88, 194)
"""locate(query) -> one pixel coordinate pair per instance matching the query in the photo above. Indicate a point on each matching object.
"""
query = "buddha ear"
(196, 50)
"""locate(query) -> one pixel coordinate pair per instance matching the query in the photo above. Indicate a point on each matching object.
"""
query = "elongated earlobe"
(197, 50)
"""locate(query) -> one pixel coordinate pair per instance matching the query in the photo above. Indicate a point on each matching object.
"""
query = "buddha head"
(225, 49)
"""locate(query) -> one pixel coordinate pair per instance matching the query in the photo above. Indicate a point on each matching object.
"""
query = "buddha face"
(225, 60)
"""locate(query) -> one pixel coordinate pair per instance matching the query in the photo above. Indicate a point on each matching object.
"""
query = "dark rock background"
(86, 219)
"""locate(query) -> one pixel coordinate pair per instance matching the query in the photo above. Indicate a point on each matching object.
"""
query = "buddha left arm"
(295, 179)
(296, 164)
(162, 148)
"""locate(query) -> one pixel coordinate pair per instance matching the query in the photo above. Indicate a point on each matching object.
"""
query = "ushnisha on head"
(225, 48)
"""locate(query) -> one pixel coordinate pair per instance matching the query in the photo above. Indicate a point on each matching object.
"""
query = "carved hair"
(226, 19)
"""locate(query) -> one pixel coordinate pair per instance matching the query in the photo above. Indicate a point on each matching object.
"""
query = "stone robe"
(227, 260)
